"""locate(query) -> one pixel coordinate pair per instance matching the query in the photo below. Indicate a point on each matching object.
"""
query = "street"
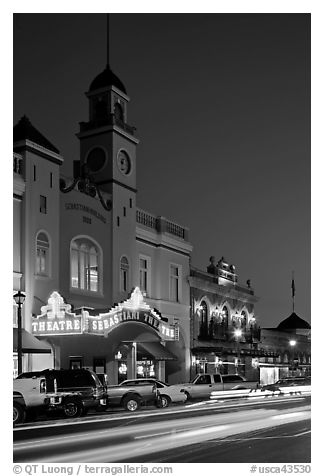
(268, 430)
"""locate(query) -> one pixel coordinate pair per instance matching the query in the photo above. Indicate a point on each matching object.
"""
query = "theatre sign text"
(57, 318)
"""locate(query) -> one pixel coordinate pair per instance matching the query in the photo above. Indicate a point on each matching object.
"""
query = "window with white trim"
(124, 271)
(42, 254)
(175, 283)
(85, 265)
(145, 274)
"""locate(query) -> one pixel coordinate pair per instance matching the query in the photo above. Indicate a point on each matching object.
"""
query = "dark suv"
(80, 388)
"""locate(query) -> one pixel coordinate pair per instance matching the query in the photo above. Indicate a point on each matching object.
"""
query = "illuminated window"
(124, 271)
(85, 265)
(203, 320)
(42, 254)
(225, 316)
(243, 319)
(174, 283)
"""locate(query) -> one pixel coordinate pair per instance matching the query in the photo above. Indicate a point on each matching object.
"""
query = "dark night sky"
(222, 109)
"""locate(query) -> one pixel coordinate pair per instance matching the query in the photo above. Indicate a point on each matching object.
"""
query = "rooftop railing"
(161, 224)
(214, 278)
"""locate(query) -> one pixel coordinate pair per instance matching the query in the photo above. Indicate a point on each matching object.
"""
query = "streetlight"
(292, 344)
(237, 334)
(19, 298)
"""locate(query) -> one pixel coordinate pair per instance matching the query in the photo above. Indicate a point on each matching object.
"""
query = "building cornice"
(39, 150)
(162, 240)
(104, 129)
(105, 89)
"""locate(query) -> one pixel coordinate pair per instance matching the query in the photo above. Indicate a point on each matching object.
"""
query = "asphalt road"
(272, 430)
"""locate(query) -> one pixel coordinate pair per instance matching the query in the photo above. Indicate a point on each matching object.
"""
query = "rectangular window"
(145, 274)
(42, 204)
(118, 221)
(174, 283)
(76, 363)
(123, 279)
(130, 203)
(34, 173)
(51, 180)
(124, 211)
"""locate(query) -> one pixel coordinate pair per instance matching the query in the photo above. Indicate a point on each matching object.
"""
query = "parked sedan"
(167, 393)
(288, 382)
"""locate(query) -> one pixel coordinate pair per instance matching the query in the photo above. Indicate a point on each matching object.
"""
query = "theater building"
(106, 283)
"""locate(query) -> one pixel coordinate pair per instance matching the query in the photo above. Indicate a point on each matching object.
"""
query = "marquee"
(56, 318)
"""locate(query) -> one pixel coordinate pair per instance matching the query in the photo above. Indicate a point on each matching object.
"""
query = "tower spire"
(293, 292)
(108, 65)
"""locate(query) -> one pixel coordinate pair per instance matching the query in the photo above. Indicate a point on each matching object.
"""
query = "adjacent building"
(224, 329)
(290, 343)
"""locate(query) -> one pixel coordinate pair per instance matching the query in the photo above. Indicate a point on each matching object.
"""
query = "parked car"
(203, 384)
(167, 393)
(80, 388)
(287, 382)
(29, 395)
(132, 394)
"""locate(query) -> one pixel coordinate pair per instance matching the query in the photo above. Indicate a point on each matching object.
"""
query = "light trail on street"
(120, 437)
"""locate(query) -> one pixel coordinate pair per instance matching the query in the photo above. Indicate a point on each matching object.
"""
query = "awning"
(154, 350)
(30, 344)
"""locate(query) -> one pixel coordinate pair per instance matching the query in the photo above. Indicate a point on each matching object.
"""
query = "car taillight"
(42, 386)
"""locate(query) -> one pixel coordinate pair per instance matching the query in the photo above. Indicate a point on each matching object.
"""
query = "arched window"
(243, 319)
(203, 321)
(85, 265)
(119, 113)
(124, 270)
(42, 254)
(225, 315)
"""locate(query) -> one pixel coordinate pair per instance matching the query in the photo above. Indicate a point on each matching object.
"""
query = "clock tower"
(108, 158)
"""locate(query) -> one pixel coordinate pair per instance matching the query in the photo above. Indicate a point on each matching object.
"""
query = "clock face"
(124, 163)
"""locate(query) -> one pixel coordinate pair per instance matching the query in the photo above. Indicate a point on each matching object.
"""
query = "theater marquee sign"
(57, 318)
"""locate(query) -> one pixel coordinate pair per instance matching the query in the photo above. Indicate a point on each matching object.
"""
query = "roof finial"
(108, 65)
(293, 291)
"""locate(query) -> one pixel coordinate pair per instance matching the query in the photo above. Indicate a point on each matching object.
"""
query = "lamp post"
(19, 298)
(237, 334)
(292, 344)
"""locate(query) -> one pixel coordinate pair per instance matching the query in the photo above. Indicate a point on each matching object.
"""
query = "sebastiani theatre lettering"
(57, 319)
